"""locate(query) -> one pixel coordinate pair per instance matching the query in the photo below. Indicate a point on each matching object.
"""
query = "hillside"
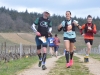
(14, 21)
(27, 36)
(13, 37)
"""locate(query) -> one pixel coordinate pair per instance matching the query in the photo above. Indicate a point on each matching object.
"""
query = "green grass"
(15, 66)
(95, 56)
(76, 69)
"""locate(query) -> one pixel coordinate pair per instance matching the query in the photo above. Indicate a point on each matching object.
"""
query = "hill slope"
(13, 37)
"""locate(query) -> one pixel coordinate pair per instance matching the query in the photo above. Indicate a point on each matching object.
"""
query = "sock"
(71, 55)
(87, 54)
(67, 56)
(39, 55)
(44, 58)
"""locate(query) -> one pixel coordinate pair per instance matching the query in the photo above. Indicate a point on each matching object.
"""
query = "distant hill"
(14, 21)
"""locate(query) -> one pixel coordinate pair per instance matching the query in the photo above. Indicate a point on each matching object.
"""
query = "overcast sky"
(80, 8)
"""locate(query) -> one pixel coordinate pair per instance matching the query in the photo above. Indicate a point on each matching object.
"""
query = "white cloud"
(44, 2)
(23, 9)
(84, 12)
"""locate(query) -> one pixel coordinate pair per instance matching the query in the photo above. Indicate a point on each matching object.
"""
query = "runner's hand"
(69, 27)
(75, 22)
(89, 28)
(83, 34)
(49, 34)
(38, 34)
(79, 27)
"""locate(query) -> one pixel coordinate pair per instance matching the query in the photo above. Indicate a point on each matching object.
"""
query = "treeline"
(14, 21)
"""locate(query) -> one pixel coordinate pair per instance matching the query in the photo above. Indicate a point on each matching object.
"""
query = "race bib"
(51, 41)
(43, 39)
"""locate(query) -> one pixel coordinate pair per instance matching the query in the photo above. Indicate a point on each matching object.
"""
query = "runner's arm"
(34, 28)
(82, 28)
(59, 40)
(50, 27)
(94, 29)
(60, 27)
(34, 25)
(76, 24)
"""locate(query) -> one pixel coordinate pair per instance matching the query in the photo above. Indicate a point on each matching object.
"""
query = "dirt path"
(93, 65)
(35, 70)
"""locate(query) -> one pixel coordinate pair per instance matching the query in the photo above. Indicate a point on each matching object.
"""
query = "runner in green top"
(44, 27)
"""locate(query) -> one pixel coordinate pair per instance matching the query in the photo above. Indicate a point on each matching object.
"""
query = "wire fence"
(4, 49)
(13, 52)
(95, 50)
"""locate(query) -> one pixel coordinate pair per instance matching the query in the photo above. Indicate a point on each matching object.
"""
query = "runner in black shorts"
(44, 27)
(89, 30)
(89, 40)
(68, 26)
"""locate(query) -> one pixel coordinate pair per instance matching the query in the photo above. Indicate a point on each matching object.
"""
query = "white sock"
(87, 54)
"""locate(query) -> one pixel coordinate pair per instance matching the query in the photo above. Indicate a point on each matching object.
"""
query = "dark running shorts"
(89, 40)
(72, 40)
(51, 45)
(56, 48)
(39, 43)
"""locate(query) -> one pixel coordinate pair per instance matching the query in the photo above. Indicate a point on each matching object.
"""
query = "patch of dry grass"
(27, 36)
(13, 37)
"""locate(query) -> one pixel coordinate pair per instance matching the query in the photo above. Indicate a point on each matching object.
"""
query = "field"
(29, 39)
(2, 40)
(27, 36)
(13, 37)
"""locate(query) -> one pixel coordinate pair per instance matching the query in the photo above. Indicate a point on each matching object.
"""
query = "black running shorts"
(72, 40)
(89, 40)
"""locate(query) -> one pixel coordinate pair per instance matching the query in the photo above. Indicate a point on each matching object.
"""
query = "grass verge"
(76, 69)
(15, 66)
(95, 56)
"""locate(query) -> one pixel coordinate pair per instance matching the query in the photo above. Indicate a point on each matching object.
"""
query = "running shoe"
(44, 67)
(40, 62)
(68, 65)
(71, 62)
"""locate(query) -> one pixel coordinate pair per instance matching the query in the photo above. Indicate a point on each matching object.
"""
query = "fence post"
(15, 49)
(99, 49)
(30, 49)
(21, 50)
(1, 48)
(5, 48)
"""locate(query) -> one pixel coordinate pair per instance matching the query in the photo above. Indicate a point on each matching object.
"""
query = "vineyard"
(16, 45)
